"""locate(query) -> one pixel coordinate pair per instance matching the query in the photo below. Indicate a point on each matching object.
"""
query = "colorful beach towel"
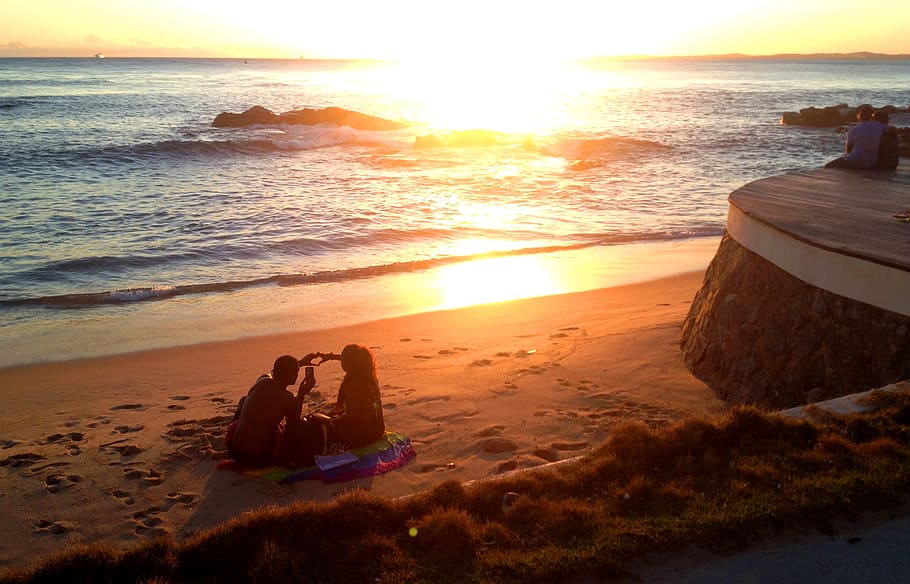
(392, 451)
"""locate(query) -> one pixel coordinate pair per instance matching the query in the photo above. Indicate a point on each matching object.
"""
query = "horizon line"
(718, 56)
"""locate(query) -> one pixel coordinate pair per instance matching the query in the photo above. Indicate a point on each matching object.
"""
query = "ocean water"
(127, 221)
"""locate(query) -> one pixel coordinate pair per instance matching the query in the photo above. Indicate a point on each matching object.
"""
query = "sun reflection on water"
(519, 98)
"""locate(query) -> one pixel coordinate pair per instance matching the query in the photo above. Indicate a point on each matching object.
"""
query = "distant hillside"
(864, 56)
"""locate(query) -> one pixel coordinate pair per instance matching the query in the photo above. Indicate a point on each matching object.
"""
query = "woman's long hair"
(358, 363)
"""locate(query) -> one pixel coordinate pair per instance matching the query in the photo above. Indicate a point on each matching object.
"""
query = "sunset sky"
(415, 29)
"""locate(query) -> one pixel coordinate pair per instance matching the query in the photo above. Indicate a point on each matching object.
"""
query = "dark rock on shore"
(334, 116)
(831, 116)
(757, 335)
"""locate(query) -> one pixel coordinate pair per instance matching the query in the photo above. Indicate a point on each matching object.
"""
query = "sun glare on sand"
(494, 280)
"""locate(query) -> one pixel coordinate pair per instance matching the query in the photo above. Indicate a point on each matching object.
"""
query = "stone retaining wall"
(757, 335)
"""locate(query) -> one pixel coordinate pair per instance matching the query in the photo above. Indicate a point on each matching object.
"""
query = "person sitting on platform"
(862, 142)
(888, 147)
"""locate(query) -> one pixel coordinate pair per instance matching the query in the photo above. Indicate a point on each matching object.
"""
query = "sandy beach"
(122, 448)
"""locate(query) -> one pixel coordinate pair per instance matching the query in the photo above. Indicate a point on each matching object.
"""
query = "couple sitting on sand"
(870, 144)
(256, 436)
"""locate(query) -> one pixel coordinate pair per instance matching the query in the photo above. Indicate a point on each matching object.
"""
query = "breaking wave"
(130, 295)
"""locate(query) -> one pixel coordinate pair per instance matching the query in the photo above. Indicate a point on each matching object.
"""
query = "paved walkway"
(871, 553)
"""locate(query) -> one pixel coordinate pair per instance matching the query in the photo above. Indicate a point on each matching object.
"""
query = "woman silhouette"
(357, 415)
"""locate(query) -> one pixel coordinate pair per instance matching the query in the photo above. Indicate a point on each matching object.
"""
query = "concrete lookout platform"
(808, 296)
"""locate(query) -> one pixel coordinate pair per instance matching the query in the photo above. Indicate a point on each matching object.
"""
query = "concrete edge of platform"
(845, 275)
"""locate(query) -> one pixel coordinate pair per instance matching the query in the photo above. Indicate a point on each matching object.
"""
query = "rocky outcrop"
(758, 335)
(335, 116)
(831, 116)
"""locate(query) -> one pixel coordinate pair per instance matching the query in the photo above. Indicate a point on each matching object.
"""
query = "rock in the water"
(256, 115)
(334, 116)
(337, 116)
(831, 116)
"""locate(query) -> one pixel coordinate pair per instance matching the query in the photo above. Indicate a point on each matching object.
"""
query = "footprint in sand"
(497, 445)
(37, 469)
(133, 473)
(507, 389)
(619, 405)
(507, 465)
(182, 497)
(57, 482)
(127, 449)
(74, 436)
(24, 459)
(151, 476)
(503, 354)
(148, 523)
(128, 429)
(179, 397)
(481, 363)
(491, 431)
(405, 340)
(128, 407)
(546, 453)
(125, 498)
(175, 408)
(453, 350)
(4, 444)
(99, 420)
(422, 357)
(54, 527)
(53, 484)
